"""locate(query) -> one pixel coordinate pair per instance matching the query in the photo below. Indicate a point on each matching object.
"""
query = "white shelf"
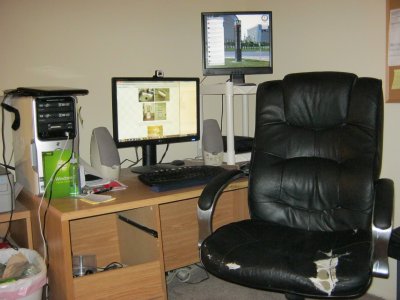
(219, 89)
(229, 90)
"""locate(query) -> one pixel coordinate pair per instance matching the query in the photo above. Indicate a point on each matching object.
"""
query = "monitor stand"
(149, 154)
(238, 79)
(151, 168)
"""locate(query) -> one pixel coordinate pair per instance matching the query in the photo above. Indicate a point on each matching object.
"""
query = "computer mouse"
(177, 162)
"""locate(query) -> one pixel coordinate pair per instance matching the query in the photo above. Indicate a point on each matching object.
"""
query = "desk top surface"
(135, 196)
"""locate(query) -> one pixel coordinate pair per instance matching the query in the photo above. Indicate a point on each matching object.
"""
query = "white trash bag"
(28, 288)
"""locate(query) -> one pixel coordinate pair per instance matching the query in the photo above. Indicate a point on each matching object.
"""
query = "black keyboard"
(179, 177)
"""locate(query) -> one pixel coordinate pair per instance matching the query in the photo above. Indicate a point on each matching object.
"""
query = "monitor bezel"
(152, 142)
(233, 71)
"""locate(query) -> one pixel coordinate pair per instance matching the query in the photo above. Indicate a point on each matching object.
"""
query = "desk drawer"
(114, 240)
(135, 282)
(180, 231)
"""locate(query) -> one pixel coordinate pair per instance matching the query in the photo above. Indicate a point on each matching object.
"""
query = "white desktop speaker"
(104, 156)
(213, 147)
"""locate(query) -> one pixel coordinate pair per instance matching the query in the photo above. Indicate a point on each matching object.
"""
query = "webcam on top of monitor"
(158, 74)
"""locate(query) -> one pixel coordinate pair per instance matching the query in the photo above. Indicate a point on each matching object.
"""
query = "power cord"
(186, 274)
(133, 163)
(165, 152)
(7, 166)
(111, 266)
(204, 78)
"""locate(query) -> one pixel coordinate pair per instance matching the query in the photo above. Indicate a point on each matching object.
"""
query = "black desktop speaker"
(104, 156)
(213, 148)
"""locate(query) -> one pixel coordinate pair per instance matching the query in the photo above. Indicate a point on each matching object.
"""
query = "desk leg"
(245, 115)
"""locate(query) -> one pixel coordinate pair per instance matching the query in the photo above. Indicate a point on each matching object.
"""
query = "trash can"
(30, 287)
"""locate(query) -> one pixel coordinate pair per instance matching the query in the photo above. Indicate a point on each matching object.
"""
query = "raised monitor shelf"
(230, 90)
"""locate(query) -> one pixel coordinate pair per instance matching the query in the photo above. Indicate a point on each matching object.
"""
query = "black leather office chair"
(320, 216)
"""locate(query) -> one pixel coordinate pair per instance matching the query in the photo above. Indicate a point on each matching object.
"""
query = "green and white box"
(53, 161)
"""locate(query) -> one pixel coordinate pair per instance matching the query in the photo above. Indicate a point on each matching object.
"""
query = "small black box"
(243, 144)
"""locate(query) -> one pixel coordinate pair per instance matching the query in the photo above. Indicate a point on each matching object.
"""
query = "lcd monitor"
(152, 111)
(237, 43)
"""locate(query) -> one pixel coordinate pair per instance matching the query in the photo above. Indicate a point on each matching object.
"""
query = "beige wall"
(83, 43)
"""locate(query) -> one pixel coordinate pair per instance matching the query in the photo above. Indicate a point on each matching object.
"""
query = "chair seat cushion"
(261, 255)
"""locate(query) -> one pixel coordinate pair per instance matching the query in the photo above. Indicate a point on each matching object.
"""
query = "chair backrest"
(317, 151)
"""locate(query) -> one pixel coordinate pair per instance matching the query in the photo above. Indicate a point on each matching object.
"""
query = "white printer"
(7, 203)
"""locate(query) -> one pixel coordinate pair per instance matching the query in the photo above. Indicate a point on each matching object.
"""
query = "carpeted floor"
(193, 283)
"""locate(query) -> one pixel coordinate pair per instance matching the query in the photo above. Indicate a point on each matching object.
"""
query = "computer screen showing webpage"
(156, 109)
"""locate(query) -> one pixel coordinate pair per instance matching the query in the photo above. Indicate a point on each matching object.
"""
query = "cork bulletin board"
(393, 51)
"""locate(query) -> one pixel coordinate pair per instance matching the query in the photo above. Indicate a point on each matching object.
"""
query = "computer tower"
(48, 121)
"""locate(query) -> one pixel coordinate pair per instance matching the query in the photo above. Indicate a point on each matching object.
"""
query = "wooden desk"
(75, 227)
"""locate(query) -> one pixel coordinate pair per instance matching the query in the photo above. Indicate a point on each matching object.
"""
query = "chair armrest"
(384, 197)
(209, 198)
(382, 226)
